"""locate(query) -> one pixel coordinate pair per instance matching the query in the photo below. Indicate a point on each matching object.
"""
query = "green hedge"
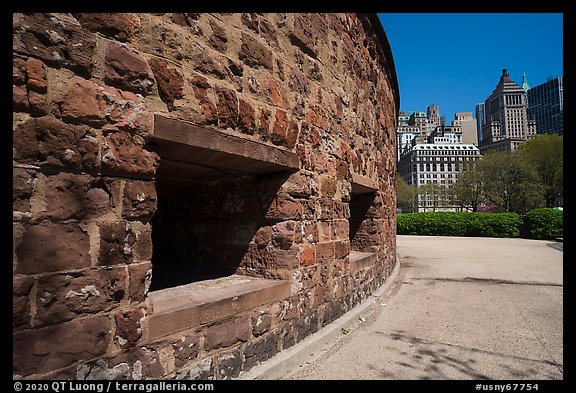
(543, 223)
(459, 224)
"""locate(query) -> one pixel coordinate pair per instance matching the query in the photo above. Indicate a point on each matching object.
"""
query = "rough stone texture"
(62, 297)
(126, 69)
(49, 247)
(118, 26)
(51, 348)
(103, 210)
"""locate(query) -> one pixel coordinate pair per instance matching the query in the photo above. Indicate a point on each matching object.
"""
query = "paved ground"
(460, 308)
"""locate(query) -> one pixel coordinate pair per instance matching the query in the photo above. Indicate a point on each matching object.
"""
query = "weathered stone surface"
(227, 108)
(48, 141)
(80, 102)
(21, 287)
(247, 117)
(116, 243)
(124, 154)
(255, 54)
(201, 89)
(128, 327)
(261, 323)
(136, 364)
(140, 277)
(308, 255)
(301, 184)
(23, 181)
(186, 349)
(201, 370)
(227, 333)
(122, 27)
(56, 41)
(139, 200)
(49, 247)
(69, 196)
(62, 297)
(285, 208)
(316, 116)
(258, 351)
(218, 39)
(126, 69)
(283, 234)
(42, 350)
(169, 80)
(229, 364)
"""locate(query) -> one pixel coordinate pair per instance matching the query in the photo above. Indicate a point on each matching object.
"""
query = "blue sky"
(455, 60)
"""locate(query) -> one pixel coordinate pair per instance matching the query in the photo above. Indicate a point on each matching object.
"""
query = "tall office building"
(546, 106)
(468, 124)
(433, 115)
(480, 120)
(437, 163)
(507, 124)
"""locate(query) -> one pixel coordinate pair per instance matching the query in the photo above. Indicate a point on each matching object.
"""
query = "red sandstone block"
(21, 287)
(55, 41)
(126, 69)
(324, 252)
(67, 196)
(49, 247)
(169, 80)
(218, 39)
(23, 181)
(227, 108)
(139, 200)
(140, 276)
(117, 242)
(227, 333)
(283, 234)
(122, 27)
(253, 53)
(317, 117)
(20, 99)
(280, 128)
(308, 255)
(123, 154)
(80, 102)
(247, 117)
(284, 208)
(62, 297)
(41, 350)
(341, 249)
(128, 327)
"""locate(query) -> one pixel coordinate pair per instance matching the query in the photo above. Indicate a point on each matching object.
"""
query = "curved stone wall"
(258, 149)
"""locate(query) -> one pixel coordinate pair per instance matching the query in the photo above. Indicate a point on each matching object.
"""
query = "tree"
(433, 193)
(405, 193)
(545, 153)
(468, 192)
(510, 182)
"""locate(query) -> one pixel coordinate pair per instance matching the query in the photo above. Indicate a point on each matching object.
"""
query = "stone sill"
(188, 149)
(360, 260)
(362, 184)
(187, 306)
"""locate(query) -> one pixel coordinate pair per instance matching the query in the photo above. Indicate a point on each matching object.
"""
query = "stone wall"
(86, 89)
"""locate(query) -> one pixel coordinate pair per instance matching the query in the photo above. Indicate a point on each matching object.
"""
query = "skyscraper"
(507, 124)
(546, 106)
(468, 124)
(480, 120)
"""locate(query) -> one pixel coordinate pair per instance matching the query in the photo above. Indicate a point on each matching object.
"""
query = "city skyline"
(455, 60)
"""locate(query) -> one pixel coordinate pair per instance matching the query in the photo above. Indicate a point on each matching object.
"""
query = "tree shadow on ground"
(430, 360)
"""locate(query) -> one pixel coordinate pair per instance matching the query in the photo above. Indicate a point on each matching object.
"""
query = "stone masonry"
(93, 179)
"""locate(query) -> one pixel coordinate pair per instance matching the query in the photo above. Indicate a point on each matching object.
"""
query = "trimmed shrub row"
(536, 224)
(543, 223)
